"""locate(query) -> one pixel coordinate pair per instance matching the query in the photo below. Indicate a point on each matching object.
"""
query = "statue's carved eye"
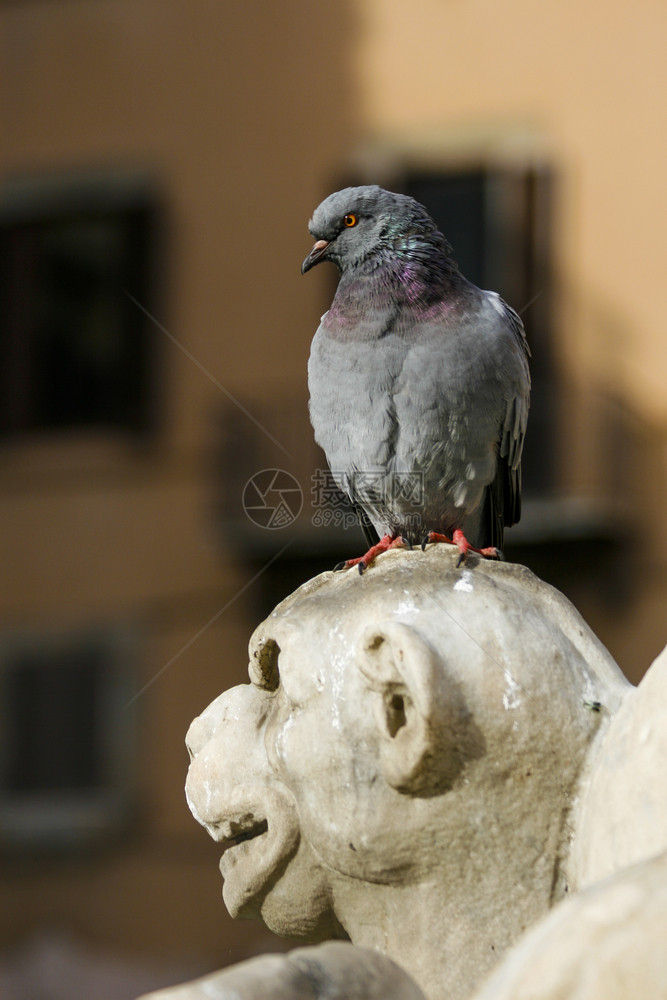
(350, 220)
(263, 667)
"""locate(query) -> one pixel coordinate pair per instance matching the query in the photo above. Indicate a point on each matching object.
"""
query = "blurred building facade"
(159, 164)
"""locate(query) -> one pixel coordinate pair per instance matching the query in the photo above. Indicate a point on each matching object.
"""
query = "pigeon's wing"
(462, 403)
(502, 502)
(514, 323)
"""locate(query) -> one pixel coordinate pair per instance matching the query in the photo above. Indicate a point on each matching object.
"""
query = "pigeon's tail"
(502, 506)
(492, 523)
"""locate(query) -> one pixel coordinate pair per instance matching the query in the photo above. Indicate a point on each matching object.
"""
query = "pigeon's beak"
(315, 256)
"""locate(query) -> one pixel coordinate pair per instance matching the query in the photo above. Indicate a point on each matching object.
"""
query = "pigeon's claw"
(363, 562)
(463, 545)
(490, 552)
(434, 536)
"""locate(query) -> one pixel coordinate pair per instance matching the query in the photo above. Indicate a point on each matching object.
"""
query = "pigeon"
(419, 380)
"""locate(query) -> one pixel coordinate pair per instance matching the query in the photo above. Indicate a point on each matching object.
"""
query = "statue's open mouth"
(241, 830)
(255, 831)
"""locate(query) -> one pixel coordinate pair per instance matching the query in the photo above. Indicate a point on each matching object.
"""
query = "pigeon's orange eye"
(350, 220)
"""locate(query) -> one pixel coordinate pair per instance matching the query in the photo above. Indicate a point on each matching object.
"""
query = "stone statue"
(425, 761)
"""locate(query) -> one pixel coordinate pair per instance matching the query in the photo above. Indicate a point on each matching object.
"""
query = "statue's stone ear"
(425, 729)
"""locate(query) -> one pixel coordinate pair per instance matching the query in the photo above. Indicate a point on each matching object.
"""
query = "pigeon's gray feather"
(419, 383)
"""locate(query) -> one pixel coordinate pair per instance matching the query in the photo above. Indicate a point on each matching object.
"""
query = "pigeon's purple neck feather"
(392, 297)
(411, 271)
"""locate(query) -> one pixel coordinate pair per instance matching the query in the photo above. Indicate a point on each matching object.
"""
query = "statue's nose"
(241, 708)
(203, 727)
(226, 748)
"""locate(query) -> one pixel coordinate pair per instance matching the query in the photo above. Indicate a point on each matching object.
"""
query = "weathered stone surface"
(606, 943)
(335, 971)
(622, 817)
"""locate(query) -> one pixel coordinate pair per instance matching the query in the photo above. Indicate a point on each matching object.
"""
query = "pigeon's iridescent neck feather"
(418, 271)
(368, 307)
(414, 272)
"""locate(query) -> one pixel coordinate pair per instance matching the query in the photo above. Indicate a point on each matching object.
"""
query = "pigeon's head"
(359, 224)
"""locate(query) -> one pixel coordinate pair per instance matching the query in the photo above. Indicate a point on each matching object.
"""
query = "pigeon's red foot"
(463, 545)
(385, 543)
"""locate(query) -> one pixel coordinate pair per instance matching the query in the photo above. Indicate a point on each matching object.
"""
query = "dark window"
(76, 350)
(53, 734)
(67, 745)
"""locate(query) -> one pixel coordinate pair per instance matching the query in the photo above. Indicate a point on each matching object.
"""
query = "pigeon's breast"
(351, 405)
